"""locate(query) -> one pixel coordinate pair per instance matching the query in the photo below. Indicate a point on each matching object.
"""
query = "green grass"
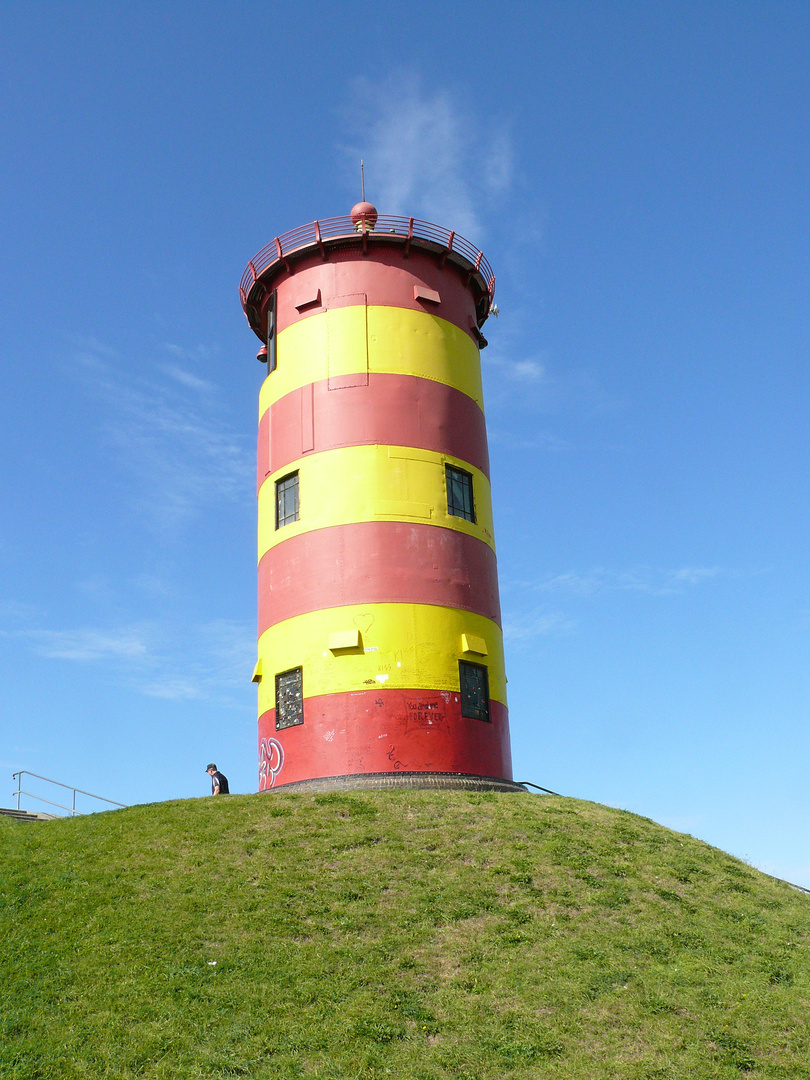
(422, 935)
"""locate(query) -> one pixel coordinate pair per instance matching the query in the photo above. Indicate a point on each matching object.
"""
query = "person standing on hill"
(219, 782)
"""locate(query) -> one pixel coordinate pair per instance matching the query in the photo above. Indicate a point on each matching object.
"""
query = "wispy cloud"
(15, 611)
(185, 378)
(165, 424)
(172, 688)
(645, 579)
(222, 654)
(526, 618)
(426, 153)
(93, 351)
(694, 575)
(87, 644)
(209, 662)
(533, 383)
(517, 628)
(528, 371)
(573, 583)
(540, 440)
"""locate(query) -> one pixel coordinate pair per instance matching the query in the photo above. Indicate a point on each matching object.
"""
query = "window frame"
(272, 357)
(467, 691)
(282, 721)
(288, 517)
(455, 475)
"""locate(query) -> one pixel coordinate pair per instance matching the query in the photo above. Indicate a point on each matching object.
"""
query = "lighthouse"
(380, 650)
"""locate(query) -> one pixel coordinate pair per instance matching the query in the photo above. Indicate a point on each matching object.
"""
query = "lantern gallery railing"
(386, 229)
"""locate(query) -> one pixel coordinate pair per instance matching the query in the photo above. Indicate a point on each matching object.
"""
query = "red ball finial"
(364, 212)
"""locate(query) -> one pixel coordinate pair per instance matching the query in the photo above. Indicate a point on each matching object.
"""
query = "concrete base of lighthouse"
(399, 780)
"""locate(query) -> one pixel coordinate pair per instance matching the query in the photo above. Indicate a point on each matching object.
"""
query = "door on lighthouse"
(347, 341)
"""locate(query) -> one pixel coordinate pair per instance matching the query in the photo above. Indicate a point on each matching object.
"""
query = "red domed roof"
(364, 211)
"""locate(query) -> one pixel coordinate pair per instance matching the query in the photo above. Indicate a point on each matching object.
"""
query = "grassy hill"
(404, 934)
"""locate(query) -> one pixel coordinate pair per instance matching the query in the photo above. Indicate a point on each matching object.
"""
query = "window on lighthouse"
(474, 685)
(460, 494)
(286, 500)
(289, 698)
(271, 334)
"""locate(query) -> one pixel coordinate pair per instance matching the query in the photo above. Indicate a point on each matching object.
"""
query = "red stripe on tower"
(395, 410)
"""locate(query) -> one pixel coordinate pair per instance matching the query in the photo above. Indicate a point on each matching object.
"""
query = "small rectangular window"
(474, 685)
(289, 698)
(460, 494)
(286, 500)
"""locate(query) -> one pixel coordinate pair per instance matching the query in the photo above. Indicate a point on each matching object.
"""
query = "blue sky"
(637, 175)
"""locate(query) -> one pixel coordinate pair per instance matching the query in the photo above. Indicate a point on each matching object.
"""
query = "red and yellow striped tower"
(380, 654)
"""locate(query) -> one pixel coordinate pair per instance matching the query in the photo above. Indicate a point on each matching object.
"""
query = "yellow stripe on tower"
(372, 483)
(400, 646)
(348, 340)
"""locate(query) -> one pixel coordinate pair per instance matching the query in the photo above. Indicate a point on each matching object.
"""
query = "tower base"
(399, 780)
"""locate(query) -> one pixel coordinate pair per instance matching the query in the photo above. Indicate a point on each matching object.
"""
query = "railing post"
(73, 804)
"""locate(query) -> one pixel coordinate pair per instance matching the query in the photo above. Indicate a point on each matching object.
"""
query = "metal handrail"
(76, 791)
(343, 227)
(40, 798)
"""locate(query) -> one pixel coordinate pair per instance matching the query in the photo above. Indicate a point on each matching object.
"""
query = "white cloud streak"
(213, 664)
(87, 644)
(223, 654)
(532, 383)
(425, 154)
(185, 378)
(543, 440)
(521, 625)
(527, 370)
(519, 628)
(646, 579)
(165, 428)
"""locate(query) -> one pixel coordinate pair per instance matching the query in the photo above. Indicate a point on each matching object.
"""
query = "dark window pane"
(289, 698)
(271, 334)
(474, 685)
(286, 500)
(459, 494)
